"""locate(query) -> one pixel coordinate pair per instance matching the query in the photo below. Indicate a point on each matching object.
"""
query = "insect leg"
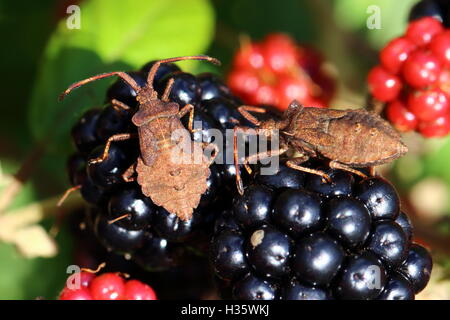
(67, 193)
(239, 183)
(188, 108)
(116, 104)
(338, 165)
(127, 176)
(372, 171)
(262, 155)
(294, 164)
(165, 96)
(244, 111)
(237, 129)
(216, 151)
(116, 137)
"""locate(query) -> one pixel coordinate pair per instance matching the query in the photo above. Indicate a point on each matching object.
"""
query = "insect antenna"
(155, 67)
(124, 76)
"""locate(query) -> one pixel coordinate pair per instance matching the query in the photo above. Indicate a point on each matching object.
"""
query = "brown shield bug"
(347, 138)
(171, 171)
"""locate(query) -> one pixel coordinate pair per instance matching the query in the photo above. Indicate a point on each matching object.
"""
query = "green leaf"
(436, 158)
(114, 35)
(22, 278)
(19, 62)
(394, 14)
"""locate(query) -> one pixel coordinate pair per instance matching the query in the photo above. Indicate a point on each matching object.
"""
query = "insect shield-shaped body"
(347, 138)
(172, 169)
(355, 138)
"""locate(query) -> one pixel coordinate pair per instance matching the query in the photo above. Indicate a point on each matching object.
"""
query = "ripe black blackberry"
(293, 236)
(123, 219)
(439, 9)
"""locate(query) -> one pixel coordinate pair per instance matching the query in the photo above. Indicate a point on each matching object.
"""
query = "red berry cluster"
(276, 71)
(108, 286)
(413, 79)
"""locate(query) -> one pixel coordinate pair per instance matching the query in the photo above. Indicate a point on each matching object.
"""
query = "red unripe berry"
(428, 105)
(421, 69)
(249, 56)
(421, 31)
(108, 286)
(440, 46)
(395, 53)
(136, 290)
(82, 279)
(81, 293)
(280, 53)
(400, 116)
(265, 94)
(383, 85)
(439, 127)
(293, 88)
(309, 59)
(243, 82)
(86, 278)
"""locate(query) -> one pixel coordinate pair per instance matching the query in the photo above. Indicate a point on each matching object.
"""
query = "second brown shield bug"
(347, 138)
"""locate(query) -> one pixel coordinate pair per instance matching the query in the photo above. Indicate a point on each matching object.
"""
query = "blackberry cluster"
(292, 236)
(277, 70)
(413, 78)
(124, 220)
(439, 9)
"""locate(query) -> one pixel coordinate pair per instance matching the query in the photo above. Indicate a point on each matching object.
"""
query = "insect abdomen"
(362, 139)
